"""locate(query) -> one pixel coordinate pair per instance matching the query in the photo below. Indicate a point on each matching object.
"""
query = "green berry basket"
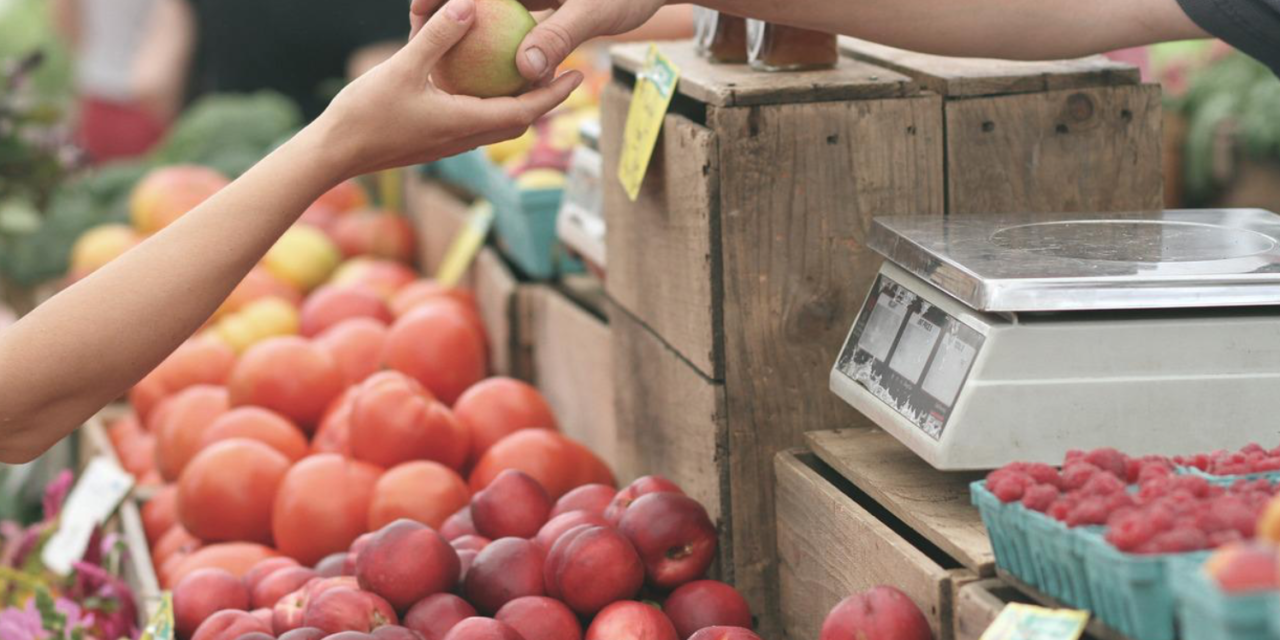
(1226, 481)
(1008, 526)
(1131, 593)
(1206, 612)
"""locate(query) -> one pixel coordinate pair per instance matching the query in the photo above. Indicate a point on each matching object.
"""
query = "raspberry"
(1109, 460)
(1102, 484)
(1155, 488)
(1229, 513)
(1195, 485)
(1225, 537)
(1040, 497)
(1073, 456)
(1121, 500)
(1130, 532)
(1118, 515)
(1011, 487)
(1270, 463)
(1180, 540)
(1092, 511)
(1044, 474)
(1076, 474)
(1061, 509)
(1152, 471)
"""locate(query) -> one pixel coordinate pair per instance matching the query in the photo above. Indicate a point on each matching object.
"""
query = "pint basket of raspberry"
(1252, 462)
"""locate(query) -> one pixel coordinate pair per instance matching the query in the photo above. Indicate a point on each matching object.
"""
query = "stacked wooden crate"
(736, 274)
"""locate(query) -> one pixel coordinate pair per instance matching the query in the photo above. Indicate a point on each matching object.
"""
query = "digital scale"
(986, 340)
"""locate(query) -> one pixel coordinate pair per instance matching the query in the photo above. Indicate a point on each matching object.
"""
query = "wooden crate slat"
(934, 503)
(801, 184)
(977, 606)
(495, 289)
(1096, 629)
(968, 77)
(738, 85)
(662, 253)
(1071, 150)
(438, 216)
(830, 547)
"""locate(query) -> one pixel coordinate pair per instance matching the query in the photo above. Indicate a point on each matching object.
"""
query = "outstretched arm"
(89, 344)
(1019, 29)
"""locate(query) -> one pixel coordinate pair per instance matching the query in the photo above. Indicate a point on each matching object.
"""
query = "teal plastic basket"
(1131, 593)
(1206, 612)
(1275, 615)
(1226, 481)
(1011, 538)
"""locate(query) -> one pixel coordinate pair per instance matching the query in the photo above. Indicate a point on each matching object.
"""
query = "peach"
(514, 504)
(483, 64)
(507, 569)
(278, 584)
(596, 568)
(721, 633)
(482, 629)
(342, 609)
(674, 536)
(630, 620)
(557, 526)
(459, 524)
(203, 593)
(706, 603)
(406, 562)
(229, 624)
(540, 618)
(641, 487)
(593, 498)
(880, 612)
(303, 257)
(434, 616)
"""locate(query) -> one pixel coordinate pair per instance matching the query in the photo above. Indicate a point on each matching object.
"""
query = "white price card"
(96, 495)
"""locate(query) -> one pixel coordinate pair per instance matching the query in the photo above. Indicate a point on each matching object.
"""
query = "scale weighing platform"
(986, 340)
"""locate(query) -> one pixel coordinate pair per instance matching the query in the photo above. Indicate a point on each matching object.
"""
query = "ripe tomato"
(263, 425)
(322, 506)
(408, 298)
(498, 407)
(175, 541)
(227, 491)
(356, 345)
(181, 423)
(438, 346)
(160, 513)
(425, 491)
(386, 277)
(394, 420)
(288, 375)
(197, 361)
(235, 557)
(348, 195)
(334, 434)
(557, 462)
(329, 305)
(257, 284)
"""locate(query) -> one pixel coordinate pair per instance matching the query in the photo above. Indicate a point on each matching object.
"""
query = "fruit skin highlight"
(483, 64)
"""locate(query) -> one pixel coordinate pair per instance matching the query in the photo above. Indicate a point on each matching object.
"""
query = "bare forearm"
(1017, 29)
(90, 343)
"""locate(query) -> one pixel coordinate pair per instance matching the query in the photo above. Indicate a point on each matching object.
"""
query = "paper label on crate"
(462, 251)
(160, 627)
(96, 495)
(1027, 622)
(655, 86)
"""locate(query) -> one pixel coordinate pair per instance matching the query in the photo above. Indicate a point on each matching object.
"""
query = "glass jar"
(721, 37)
(775, 47)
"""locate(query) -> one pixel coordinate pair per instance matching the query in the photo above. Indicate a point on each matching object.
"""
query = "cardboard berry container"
(1132, 593)
(1206, 612)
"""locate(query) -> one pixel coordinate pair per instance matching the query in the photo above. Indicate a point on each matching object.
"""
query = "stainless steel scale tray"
(1081, 262)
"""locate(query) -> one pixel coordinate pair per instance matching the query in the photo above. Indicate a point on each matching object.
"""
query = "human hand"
(393, 116)
(573, 23)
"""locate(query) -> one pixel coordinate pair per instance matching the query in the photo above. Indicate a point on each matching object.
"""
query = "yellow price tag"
(160, 627)
(655, 86)
(462, 251)
(1026, 622)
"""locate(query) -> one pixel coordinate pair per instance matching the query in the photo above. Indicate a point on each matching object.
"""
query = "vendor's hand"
(393, 116)
(573, 23)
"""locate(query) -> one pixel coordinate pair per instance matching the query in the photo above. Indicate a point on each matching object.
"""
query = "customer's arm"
(89, 344)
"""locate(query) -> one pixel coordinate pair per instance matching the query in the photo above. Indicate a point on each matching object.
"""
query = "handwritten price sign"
(655, 86)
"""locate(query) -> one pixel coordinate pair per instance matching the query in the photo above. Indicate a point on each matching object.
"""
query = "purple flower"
(55, 493)
(22, 624)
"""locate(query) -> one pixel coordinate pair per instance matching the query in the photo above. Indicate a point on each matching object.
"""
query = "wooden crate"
(743, 262)
(570, 361)
(834, 541)
(978, 604)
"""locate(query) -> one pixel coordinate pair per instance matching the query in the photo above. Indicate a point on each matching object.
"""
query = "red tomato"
(408, 298)
(423, 491)
(394, 420)
(437, 345)
(227, 491)
(386, 277)
(288, 375)
(356, 345)
(160, 513)
(330, 305)
(322, 506)
(197, 361)
(334, 434)
(498, 407)
(382, 234)
(180, 425)
(347, 196)
(235, 557)
(263, 425)
(557, 462)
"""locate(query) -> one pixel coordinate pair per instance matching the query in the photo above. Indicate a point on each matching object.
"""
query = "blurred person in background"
(104, 36)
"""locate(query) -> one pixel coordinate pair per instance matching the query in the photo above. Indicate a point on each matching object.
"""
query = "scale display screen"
(910, 354)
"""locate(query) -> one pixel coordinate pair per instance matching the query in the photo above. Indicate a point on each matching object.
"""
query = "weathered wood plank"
(1096, 629)
(1072, 150)
(800, 185)
(830, 547)
(670, 418)
(663, 249)
(573, 367)
(739, 85)
(495, 290)
(934, 503)
(437, 215)
(967, 77)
